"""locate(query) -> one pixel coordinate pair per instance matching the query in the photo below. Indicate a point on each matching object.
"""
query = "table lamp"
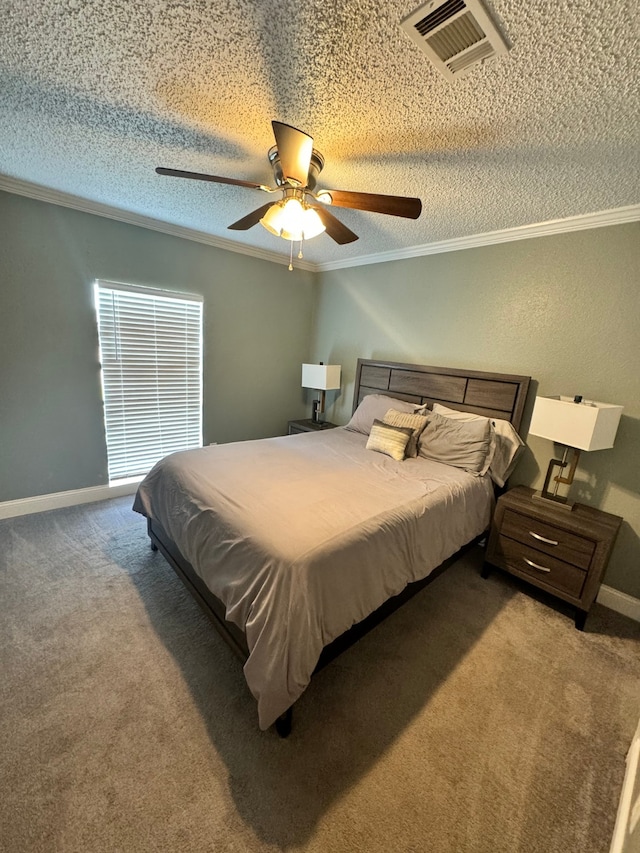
(577, 424)
(321, 377)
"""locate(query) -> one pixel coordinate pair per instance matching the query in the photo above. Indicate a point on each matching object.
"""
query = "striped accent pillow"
(416, 424)
(389, 439)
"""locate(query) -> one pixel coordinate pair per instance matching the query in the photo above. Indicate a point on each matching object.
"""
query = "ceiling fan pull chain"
(290, 256)
(300, 255)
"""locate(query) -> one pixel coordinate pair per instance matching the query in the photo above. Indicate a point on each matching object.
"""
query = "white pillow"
(507, 444)
(509, 448)
(374, 407)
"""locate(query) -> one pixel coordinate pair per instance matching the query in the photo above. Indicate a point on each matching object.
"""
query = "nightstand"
(307, 425)
(563, 552)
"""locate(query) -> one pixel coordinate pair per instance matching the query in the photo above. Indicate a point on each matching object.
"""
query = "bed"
(297, 545)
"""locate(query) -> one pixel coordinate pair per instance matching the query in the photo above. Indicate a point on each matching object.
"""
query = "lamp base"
(318, 409)
(544, 495)
(549, 498)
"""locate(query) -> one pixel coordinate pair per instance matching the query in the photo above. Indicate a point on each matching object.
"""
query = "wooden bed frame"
(494, 395)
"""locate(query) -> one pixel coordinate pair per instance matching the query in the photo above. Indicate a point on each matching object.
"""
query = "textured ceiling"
(94, 95)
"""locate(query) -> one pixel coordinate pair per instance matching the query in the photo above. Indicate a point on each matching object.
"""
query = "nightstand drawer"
(551, 540)
(567, 550)
(526, 561)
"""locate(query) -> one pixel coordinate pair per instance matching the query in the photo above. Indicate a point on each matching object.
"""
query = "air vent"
(456, 35)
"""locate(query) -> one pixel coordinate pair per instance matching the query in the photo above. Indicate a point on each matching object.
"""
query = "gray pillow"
(374, 407)
(507, 446)
(456, 415)
(463, 444)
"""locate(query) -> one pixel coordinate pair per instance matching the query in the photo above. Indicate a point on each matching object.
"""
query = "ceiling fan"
(297, 216)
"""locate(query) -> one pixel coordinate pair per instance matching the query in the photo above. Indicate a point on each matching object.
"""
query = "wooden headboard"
(494, 395)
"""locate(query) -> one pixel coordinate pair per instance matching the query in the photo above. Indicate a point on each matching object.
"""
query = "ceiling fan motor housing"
(315, 167)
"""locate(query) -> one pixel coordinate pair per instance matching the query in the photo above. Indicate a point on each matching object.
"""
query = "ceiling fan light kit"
(292, 219)
(295, 217)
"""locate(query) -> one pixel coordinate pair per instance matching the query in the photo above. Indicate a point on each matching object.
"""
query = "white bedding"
(302, 536)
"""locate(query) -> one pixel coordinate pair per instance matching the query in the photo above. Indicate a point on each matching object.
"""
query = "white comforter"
(302, 536)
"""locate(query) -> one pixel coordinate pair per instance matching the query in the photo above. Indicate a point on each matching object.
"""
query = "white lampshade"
(312, 225)
(322, 377)
(586, 425)
(273, 219)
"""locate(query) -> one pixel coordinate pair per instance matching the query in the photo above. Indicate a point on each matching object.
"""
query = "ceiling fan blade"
(216, 179)
(335, 229)
(294, 150)
(251, 219)
(392, 205)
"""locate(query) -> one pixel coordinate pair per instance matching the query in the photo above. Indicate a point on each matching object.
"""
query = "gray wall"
(257, 325)
(564, 310)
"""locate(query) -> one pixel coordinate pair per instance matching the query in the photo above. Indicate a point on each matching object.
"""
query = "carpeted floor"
(474, 719)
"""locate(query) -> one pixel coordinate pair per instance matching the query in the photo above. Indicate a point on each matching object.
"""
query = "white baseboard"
(57, 500)
(620, 602)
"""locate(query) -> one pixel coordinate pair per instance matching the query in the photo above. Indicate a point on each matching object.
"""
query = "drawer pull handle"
(543, 538)
(535, 565)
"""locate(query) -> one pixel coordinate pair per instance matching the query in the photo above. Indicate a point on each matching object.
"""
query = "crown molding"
(615, 216)
(40, 193)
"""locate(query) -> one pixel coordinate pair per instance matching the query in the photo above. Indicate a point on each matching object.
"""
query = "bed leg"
(486, 570)
(283, 723)
(153, 545)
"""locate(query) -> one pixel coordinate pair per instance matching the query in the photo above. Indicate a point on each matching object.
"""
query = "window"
(151, 355)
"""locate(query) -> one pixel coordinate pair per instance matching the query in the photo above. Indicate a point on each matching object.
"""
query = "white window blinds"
(151, 354)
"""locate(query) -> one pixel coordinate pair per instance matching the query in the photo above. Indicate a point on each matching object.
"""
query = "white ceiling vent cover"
(455, 35)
